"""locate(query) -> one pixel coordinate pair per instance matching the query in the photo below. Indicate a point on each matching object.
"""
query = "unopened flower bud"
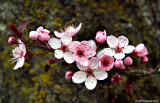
(149, 70)
(12, 40)
(33, 35)
(140, 50)
(51, 60)
(123, 67)
(144, 59)
(116, 79)
(69, 74)
(101, 37)
(129, 86)
(118, 63)
(128, 61)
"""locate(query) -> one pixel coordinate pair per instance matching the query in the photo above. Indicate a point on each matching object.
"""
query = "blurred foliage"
(39, 82)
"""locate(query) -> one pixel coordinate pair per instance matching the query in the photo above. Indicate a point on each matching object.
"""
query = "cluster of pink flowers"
(93, 64)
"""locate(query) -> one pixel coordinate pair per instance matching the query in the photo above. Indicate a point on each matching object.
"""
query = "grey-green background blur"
(39, 82)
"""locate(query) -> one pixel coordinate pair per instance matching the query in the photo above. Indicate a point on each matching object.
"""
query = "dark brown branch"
(143, 72)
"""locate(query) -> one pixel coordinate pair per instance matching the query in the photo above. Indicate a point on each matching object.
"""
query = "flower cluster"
(92, 64)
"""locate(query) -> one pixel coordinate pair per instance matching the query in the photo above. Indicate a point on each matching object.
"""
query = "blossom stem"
(132, 54)
(37, 42)
(39, 46)
(137, 65)
(38, 53)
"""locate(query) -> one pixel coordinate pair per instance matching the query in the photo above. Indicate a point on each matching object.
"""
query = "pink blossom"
(71, 30)
(129, 86)
(63, 47)
(116, 79)
(118, 63)
(144, 59)
(69, 74)
(12, 40)
(89, 74)
(118, 47)
(106, 62)
(19, 53)
(41, 34)
(82, 52)
(140, 50)
(128, 61)
(101, 37)
(123, 67)
(149, 70)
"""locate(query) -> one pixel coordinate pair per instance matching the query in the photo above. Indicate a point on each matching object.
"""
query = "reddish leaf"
(14, 30)
(11, 33)
(22, 26)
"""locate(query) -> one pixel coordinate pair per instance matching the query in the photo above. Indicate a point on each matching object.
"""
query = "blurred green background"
(39, 82)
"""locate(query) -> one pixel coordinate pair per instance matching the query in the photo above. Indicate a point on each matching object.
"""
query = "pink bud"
(116, 79)
(149, 70)
(43, 34)
(51, 60)
(144, 59)
(140, 50)
(69, 74)
(101, 37)
(12, 40)
(129, 86)
(33, 35)
(128, 61)
(118, 63)
(123, 67)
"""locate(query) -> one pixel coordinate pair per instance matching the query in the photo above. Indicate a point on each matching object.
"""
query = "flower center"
(118, 49)
(80, 53)
(18, 54)
(64, 48)
(89, 72)
(105, 63)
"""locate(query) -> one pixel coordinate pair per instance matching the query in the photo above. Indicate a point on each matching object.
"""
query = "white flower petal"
(109, 51)
(58, 34)
(19, 41)
(100, 74)
(71, 45)
(81, 67)
(68, 57)
(119, 55)
(84, 61)
(92, 44)
(16, 51)
(66, 39)
(79, 77)
(91, 82)
(58, 54)
(23, 48)
(123, 41)
(94, 62)
(100, 53)
(19, 64)
(128, 49)
(77, 29)
(112, 41)
(89, 52)
(54, 43)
